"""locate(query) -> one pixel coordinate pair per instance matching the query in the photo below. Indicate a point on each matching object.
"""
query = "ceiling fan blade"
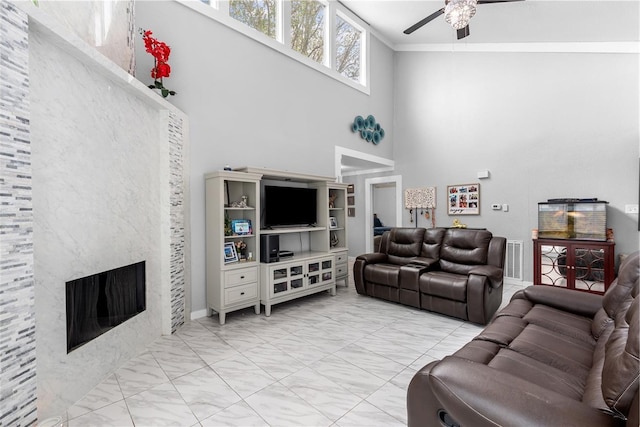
(463, 32)
(420, 24)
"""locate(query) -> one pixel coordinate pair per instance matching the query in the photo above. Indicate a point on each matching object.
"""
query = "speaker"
(269, 248)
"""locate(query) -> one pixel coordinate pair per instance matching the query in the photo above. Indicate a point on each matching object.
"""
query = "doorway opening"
(379, 192)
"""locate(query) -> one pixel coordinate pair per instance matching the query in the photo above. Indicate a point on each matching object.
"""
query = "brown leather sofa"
(457, 272)
(551, 357)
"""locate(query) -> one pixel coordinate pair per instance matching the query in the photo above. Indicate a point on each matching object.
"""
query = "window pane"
(258, 14)
(307, 28)
(348, 41)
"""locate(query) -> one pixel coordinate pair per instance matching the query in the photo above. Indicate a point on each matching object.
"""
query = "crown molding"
(548, 47)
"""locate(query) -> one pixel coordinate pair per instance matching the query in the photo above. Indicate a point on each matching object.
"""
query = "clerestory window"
(260, 15)
(308, 28)
(321, 30)
(348, 49)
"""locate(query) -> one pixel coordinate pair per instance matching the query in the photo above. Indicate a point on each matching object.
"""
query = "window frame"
(325, 31)
(364, 46)
(219, 11)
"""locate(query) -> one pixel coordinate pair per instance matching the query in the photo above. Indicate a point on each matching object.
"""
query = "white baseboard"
(198, 314)
(523, 283)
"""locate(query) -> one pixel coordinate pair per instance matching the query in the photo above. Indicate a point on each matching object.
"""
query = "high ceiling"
(530, 21)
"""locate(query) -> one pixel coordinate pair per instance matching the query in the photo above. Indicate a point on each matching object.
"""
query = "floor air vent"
(513, 261)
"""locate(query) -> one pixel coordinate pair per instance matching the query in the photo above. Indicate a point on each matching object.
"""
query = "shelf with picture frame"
(232, 212)
(337, 230)
(337, 217)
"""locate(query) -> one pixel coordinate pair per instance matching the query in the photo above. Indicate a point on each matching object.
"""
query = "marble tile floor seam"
(318, 361)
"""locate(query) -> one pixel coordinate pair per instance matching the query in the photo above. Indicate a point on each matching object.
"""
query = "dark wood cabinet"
(583, 265)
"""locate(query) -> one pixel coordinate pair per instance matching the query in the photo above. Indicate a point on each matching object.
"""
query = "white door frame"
(377, 164)
(369, 183)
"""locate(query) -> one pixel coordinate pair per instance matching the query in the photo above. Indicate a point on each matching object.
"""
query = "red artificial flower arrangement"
(161, 69)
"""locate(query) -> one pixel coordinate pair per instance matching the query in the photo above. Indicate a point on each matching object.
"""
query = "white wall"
(251, 105)
(545, 125)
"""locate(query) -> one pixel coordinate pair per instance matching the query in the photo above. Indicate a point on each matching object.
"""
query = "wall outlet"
(633, 209)
(496, 207)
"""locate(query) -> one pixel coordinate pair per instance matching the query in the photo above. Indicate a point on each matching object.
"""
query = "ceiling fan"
(457, 13)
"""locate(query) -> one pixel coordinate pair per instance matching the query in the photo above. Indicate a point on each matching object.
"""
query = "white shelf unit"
(232, 285)
(337, 236)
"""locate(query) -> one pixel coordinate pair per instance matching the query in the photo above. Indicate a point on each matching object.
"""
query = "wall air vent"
(513, 261)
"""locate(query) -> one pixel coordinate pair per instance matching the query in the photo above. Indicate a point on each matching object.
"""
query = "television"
(289, 206)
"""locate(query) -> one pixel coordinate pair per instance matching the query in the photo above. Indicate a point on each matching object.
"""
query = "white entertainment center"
(233, 218)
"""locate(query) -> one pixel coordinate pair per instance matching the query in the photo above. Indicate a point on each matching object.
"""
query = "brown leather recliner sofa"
(551, 357)
(457, 272)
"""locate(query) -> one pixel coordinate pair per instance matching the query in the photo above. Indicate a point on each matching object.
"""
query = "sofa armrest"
(491, 272)
(359, 265)
(373, 258)
(581, 303)
(474, 394)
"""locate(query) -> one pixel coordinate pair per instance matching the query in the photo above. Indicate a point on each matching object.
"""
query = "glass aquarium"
(585, 220)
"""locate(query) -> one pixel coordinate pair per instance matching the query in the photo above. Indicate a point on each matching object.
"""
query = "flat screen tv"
(289, 206)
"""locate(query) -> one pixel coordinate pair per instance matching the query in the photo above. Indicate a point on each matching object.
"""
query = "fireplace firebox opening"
(102, 301)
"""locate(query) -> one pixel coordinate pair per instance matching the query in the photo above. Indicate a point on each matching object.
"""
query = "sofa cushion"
(404, 244)
(432, 243)
(539, 373)
(565, 353)
(567, 324)
(383, 274)
(479, 351)
(463, 249)
(444, 285)
(502, 331)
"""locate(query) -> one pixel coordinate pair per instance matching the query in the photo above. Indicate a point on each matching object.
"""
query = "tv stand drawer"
(240, 277)
(242, 293)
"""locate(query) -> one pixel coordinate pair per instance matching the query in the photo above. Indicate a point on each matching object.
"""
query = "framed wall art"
(463, 199)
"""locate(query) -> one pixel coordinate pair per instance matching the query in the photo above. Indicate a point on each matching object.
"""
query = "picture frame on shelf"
(351, 212)
(333, 222)
(463, 199)
(351, 200)
(241, 227)
(351, 189)
(230, 254)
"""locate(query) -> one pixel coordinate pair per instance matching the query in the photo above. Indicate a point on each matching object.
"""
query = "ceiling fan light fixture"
(458, 12)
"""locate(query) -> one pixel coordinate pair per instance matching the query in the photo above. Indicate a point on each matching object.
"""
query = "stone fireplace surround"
(91, 178)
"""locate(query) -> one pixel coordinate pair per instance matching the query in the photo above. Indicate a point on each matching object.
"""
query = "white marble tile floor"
(338, 361)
